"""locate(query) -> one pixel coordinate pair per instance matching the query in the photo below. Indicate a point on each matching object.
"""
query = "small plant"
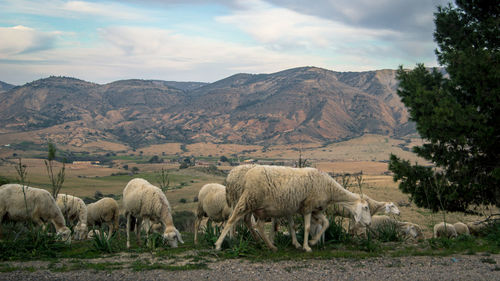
(56, 180)
(183, 200)
(101, 242)
(163, 180)
(387, 232)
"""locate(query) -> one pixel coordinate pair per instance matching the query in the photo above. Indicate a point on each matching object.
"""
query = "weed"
(488, 260)
(101, 243)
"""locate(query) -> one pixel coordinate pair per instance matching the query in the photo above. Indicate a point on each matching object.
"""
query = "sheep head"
(361, 213)
(173, 237)
(81, 231)
(64, 234)
(391, 208)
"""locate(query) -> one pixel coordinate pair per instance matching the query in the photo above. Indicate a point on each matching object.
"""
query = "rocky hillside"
(5, 86)
(297, 105)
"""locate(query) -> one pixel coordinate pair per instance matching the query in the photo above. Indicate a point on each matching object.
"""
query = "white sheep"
(74, 210)
(461, 228)
(212, 203)
(143, 200)
(23, 203)
(274, 191)
(407, 229)
(96, 233)
(106, 211)
(443, 229)
(375, 207)
(477, 227)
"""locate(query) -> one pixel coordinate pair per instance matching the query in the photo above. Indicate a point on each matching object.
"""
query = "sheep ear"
(179, 237)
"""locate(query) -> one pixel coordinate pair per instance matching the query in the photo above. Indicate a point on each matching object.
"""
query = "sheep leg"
(325, 224)
(260, 228)
(248, 222)
(110, 231)
(291, 229)
(237, 215)
(307, 228)
(196, 226)
(128, 230)
(138, 224)
(274, 229)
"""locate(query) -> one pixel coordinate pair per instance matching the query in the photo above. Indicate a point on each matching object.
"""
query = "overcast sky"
(197, 40)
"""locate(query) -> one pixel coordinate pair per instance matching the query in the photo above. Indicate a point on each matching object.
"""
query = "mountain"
(306, 104)
(5, 86)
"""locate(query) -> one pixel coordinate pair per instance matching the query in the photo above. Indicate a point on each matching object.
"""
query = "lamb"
(33, 204)
(443, 229)
(212, 203)
(74, 209)
(104, 211)
(274, 191)
(143, 200)
(407, 229)
(461, 228)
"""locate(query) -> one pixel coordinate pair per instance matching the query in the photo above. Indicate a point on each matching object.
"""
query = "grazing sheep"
(274, 191)
(212, 203)
(74, 209)
(375, 207)
(461, 228)
(143, 200)
(411, 230)
(234, 188)
(477, 227)
(104, 211)
(443, 229)
(33, 204)
(407, 229)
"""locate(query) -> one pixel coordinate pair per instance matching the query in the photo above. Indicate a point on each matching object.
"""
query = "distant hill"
(5, 86)
(306, 104)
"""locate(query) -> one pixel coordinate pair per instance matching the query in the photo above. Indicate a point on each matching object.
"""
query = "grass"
(82, 255)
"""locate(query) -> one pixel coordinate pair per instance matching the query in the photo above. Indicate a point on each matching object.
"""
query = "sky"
(205, 41)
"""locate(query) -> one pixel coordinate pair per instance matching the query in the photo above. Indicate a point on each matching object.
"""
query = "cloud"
(72, 9)
(21, 40)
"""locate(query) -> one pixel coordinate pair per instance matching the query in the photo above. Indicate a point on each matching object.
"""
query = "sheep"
(104, 211)
(274, 191)
(234, 188)
(407, 229)
(375, 207)
(477, 227)
(74, 209)
(443, 229)
(96, 233)
(212, 203)
(461, 228)
(143, 200)
(23, 203)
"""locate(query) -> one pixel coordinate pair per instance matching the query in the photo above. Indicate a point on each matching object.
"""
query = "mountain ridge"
(305, 104)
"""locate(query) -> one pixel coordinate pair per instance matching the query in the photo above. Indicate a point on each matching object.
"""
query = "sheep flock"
(252, 194)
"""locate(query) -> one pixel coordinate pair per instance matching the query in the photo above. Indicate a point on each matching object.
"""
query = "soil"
(457, 267)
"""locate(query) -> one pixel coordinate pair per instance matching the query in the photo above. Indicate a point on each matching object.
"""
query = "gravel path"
(458, 267)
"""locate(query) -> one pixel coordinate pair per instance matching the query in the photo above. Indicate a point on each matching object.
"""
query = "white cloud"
(21, 39)
(72, 9)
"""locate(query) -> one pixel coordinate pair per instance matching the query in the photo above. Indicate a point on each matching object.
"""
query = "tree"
(458, 114)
